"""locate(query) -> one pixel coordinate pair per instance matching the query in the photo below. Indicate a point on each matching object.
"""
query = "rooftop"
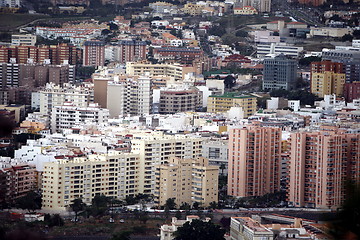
(232, 95)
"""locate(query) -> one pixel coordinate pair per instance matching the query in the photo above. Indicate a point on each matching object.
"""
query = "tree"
(124, 235)
(241, 33)
(105, 32)
(113, 27)
(31, 201)
(178, 214)
(77, 206)
(229, 81)
(213, 205)
(170, 203)
(308, 60)
(347, 224)
(99, 205)
(347, 38)
(185, 206)
(199, 230)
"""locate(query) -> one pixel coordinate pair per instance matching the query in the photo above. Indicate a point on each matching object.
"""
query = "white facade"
(54, 95)
(69, 116)
(10, 3)
(23, 39)
(129, 97)
(278, 48)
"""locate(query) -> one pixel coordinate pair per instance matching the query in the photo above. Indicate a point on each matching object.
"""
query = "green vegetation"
(9, 21)
(31, 201)
(268, 200)
(199, 230)
(308, 60)
(347, 225)
(305, 97)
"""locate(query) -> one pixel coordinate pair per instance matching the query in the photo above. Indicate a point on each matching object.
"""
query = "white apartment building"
(278, 48)
(54, 95)
(175, 70)
(129, 96)
(216, 150)
(10, 3)
(68, 116)
(23, 39)
(114, 175)
(156, 148)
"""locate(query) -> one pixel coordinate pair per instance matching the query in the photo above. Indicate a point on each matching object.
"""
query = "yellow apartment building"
(114, 175)
(187, 181)
(224, 102)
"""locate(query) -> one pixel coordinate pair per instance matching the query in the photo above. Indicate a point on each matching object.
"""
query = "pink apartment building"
(320, 164)
(254, 161)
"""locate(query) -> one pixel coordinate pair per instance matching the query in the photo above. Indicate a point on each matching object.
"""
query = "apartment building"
(155, 148)
(129, 96)
(180, 99)
(216, 150)
(223, 103)
(321, 162)
(20, 180)
(130, 51)
(34, 75)
(181, 55)
(350, 60)
(54, 95)
(352, 91)
(114, 175)
(175, 70)
(68, 116)
(254, 161)
(187, 181)
(94, 53)
(327, 78)
(279, 73)
(54, 54)
(260, 5)
(23, 39)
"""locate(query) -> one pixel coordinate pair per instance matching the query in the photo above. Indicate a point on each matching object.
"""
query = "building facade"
(114, 175)
(254, 161)
(130, 51)
(223, 103)
(327, 78)
(68, 116)
(187, 181)
(321, 162)
(180, 100)
(94, 53)
(279, 73)
(156, 149)
(129, 96)
(54, 54)
(175, 70)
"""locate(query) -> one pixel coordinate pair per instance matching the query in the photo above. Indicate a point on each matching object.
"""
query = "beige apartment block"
(321, 162)
(173, 100)
(187, 181)
(158, 148)
(223, 103)
(175, 70)
(114, 175)
(327, 83)
(254, 161)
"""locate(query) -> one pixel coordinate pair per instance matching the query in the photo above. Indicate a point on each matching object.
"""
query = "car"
(111, 220)
(122, 220)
